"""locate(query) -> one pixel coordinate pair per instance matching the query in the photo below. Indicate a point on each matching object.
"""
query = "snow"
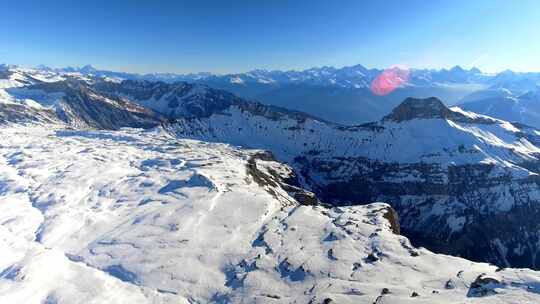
(438, 141)
(12, 89)
(35, 97)
(237, 80)
(146, 217)
(141, 217)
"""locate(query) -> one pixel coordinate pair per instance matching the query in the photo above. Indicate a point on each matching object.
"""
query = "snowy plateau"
(105, 197)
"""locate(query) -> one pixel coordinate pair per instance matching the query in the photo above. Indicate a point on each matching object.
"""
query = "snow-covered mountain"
(450, 174)
(342, 95)
(179, 99)
(356, 76)
(503, 104)
(191, 210)
(446, 149)
(310, 91)
(140, 216)
(32, 96)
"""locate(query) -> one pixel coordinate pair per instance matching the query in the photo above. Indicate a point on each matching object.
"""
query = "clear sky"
(235, 36)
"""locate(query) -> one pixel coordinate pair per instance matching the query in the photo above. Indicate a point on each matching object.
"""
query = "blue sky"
(236, 36)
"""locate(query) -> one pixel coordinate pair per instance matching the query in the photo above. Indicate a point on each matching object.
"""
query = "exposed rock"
(483, 280)
(18, 113)
(450, 284)
(306, 198)
(413, 108)
(393, 218)
(428, 108)
(266, 176)
(372, 258)
(482, 286)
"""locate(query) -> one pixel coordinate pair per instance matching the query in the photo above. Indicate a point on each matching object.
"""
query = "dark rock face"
(426, 108)
(80, 106)
(271, 180)
(483, 286)
(482, 281)
(413, 108)
(393, 218)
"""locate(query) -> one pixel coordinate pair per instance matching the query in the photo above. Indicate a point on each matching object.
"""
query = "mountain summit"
(420, 108)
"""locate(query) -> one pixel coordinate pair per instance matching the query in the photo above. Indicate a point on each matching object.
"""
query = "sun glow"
(389, 80)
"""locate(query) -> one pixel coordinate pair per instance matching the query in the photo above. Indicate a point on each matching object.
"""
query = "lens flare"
(389, 80)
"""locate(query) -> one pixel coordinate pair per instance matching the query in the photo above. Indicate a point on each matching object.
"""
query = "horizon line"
(404, 67)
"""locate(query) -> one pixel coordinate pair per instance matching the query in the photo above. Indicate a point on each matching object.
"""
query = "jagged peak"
(475, 70)
(88, 69)
(457, 68)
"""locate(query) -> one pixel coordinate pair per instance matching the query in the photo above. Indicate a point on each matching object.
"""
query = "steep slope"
(23, 114)
(179, 99)
(137, 216)
(73, 102)
(463, 184)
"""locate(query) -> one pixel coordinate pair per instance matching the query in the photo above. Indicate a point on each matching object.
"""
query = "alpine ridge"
(121, 183)
(447, 172)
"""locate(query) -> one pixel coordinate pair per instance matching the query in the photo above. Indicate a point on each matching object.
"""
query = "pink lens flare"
(389, 80)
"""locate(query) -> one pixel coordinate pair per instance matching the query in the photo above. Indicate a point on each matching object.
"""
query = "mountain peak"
(87, 69)
(419, 108)
(457, 68)
(475, 70)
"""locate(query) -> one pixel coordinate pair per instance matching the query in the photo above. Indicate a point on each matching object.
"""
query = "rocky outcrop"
(414, 108)
(393, 218)
(484, 285)
(278, 179)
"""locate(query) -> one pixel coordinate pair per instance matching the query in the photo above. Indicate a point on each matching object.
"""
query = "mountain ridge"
(446, 149)
(249, 193)
(354, 99)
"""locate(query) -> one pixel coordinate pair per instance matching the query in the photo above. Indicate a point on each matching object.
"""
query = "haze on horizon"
(238, 36)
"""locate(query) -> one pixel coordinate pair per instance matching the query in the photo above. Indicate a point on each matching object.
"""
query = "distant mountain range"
(450, 174)
(345, 95)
